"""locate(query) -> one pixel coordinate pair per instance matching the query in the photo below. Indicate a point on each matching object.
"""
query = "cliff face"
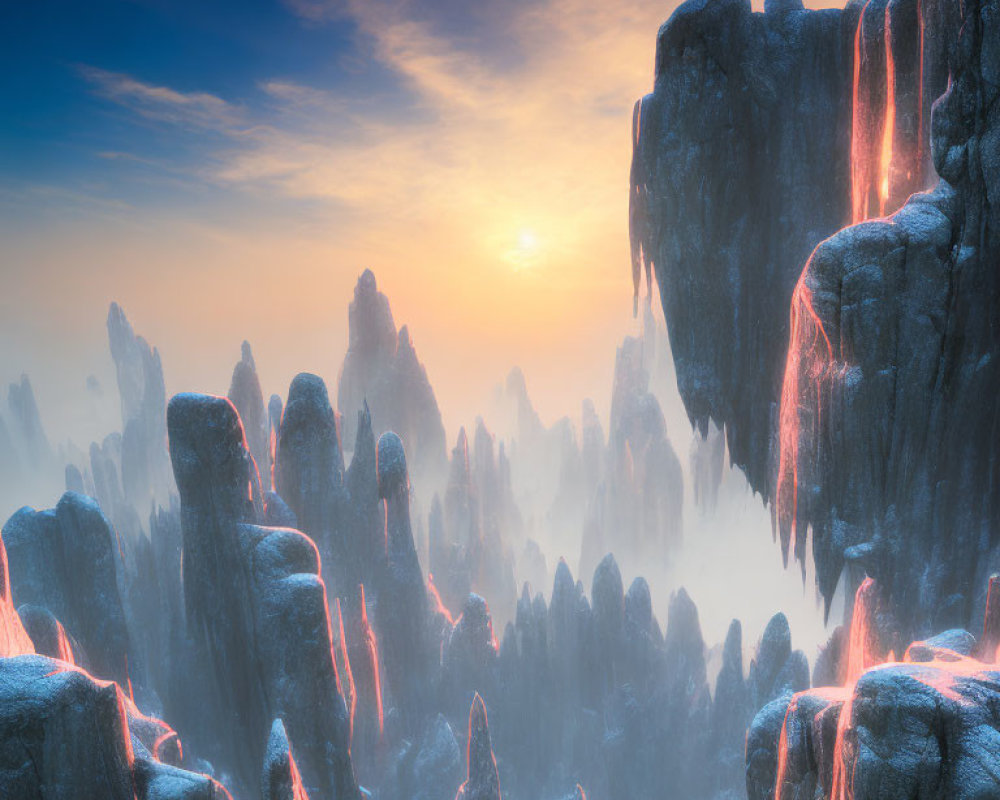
(857, 395)
(766, 133)
(889, 401)
(732, 187)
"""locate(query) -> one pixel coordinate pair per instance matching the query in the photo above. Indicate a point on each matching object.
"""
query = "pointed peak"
(477, 716)
(483, 779)
(364, 437)
(280, 779)
(246, 355)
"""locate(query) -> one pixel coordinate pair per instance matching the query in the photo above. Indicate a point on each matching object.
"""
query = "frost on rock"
(257, 611)
(64, 734)
(66, 560)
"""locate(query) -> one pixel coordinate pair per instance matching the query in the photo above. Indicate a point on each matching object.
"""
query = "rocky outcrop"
(365, 521)
(309, 474)
(403, 613)
(64, 734)
(777, 669)
(722, 83)
(428, 768)
(248, 399)
(823, 124)
(34, 450)
(731, 714)
(381, 368)
(920, 727)
(469, 659)
(638, 508)
(892, 369)
(826, 118)
(145, 467)
(280, 779)
(483, 782)
(363, 655)
(470, 547)
(256, 609)
(67, 560)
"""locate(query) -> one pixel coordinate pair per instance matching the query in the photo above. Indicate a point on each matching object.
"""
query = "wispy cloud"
(540, 141)
(195, 110)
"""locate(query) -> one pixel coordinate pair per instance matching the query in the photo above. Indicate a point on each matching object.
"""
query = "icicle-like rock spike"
(483, 781)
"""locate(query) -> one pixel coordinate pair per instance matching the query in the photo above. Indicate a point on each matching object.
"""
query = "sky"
(226, 170)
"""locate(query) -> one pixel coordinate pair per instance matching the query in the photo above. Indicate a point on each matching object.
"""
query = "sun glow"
(526, 249)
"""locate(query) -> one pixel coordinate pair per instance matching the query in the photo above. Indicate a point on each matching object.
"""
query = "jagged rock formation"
(546, 465)
(483, 782)
(777, 670)
(638, 509)
(892, 369)
(592, 692)
(363, 656)
(920, 727)
(731, 712)
(145, 468)
(309, 475)
(403, 614)
(365, 522)
(67, 560)
(256, 610)
(721, 75)
(946, 726)
(248, 399)
(28, 464)
(169, 656)
(777, 673)
(887, 342)
(26, 422)
(470, 536)
(428, 768)
(469, 659)
(342, 513)
(818, 121)
(105, 486)
(381, 367)
(64, 734)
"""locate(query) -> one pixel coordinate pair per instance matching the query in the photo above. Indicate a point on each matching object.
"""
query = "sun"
(526, 249)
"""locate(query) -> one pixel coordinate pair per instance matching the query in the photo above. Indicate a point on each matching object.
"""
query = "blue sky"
(60, 127)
